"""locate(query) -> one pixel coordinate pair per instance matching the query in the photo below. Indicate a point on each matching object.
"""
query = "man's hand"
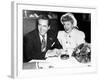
(52, 53)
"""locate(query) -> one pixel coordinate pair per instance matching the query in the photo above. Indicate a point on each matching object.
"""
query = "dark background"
(83, 21)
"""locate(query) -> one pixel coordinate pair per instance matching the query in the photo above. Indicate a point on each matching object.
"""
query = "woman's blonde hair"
(69, 17)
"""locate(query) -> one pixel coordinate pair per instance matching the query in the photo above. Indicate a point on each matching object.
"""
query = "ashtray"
(64, 56)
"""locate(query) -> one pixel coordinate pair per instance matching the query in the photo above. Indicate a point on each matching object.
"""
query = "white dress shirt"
(42, 37)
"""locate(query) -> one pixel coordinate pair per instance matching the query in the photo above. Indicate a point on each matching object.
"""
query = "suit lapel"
(49, 40)
(38, 41)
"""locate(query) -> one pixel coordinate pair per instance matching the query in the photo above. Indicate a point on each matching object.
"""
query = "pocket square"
(52, 44)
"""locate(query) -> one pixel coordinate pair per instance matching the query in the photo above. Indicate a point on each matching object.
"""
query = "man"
(37, 42)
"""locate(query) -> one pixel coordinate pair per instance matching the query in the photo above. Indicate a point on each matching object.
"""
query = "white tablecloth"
(56, 62)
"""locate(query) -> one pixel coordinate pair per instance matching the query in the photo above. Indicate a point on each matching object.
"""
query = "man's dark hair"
(45, 17)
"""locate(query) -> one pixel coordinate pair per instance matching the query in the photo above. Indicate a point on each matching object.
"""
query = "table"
(54, 62)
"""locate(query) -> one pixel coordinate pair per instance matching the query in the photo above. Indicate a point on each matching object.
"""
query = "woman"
(71, 37)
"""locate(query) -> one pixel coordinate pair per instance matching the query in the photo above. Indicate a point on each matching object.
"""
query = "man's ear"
(48, 27)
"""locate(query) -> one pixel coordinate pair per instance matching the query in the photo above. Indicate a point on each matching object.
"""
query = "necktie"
(43, 46)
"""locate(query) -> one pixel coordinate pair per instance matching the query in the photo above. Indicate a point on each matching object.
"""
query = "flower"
(82, 53)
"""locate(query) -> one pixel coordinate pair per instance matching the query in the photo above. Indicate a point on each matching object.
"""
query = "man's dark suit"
(32, 45)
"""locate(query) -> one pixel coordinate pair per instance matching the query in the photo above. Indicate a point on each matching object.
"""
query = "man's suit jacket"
(32, 45)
